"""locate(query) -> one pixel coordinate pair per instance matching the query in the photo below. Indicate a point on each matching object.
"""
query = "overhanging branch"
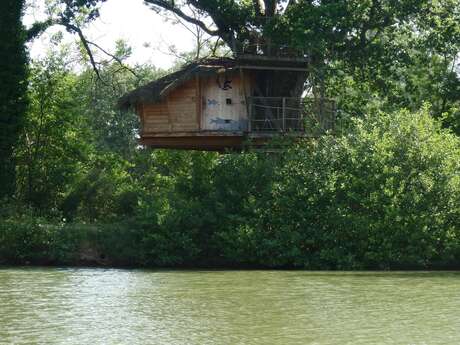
(86, 44)
(114, 57)
(38, 28)
(169, 6)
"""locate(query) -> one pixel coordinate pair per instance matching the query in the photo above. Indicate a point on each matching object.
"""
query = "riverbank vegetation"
(382, 192)
(384, 195)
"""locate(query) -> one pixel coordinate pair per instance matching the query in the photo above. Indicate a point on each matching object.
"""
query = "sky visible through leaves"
(147, 32)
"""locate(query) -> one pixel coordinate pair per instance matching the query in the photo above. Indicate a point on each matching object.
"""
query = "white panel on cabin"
(224, 107)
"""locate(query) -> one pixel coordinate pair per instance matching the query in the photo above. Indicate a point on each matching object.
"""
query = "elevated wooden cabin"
(215, 104)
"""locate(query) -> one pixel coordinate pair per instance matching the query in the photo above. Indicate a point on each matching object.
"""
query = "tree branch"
(114, 57)
(257, 8)
(169, 6)
(86, 44)
(270, 7)
(224, 30)
(38, 28)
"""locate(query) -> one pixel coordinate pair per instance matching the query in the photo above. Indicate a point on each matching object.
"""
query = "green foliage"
(51, 150)
(101, 192)
(30, 239)
(75, 143)
(385, 195)
(13, 72)
(113, 130)
(403, 66)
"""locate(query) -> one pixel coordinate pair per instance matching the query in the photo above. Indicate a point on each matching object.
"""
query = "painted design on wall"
(217, 113)
(221, 121)
(212, 102)
(226, 85)
(226, 124)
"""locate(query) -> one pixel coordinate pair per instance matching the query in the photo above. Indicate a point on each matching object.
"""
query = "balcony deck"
(307, 116)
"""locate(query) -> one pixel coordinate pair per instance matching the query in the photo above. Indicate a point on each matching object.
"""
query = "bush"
(386, 195)
(25, 240)
(29, 239)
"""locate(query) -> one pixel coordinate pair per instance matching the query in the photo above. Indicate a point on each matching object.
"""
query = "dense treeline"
(383, 192)
(385, 195)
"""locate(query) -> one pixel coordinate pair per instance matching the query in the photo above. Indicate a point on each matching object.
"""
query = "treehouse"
(219, 104)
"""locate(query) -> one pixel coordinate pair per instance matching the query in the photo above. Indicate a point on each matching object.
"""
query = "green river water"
(98, 306)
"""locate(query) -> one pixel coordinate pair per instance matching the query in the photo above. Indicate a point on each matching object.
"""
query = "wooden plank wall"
(156, 118)
(182, 107)
(177, 113)
(200, 104)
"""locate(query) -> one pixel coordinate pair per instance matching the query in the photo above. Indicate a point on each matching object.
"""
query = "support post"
(249, 105)
(246, 99)
(284, 114)
(199, 102)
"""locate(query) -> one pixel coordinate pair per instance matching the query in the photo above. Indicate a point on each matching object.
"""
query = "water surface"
(97, 306)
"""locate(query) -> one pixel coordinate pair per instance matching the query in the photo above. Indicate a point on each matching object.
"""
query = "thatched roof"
(158, 89)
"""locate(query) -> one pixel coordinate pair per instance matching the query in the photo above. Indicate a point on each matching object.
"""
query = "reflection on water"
(96, 306)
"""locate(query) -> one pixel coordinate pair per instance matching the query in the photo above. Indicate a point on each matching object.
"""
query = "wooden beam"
(217, 134)
(195, 143)
(258, 57)
(140, 109)
(246, 99)
(198, 101)
(276, 68)
(171, 120)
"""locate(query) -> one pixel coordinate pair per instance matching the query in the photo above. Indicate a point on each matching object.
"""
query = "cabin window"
(228, 101)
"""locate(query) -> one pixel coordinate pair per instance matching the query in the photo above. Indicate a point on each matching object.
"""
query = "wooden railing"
(267, 49)
(285, 114)
(270, 50)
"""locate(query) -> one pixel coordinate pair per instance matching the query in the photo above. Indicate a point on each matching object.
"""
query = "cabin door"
(223, 106)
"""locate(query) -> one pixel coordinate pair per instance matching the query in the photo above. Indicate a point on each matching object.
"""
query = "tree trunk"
(13, 60)
(272, 83)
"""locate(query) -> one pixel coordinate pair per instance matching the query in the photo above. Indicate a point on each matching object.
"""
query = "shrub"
(385, 195)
